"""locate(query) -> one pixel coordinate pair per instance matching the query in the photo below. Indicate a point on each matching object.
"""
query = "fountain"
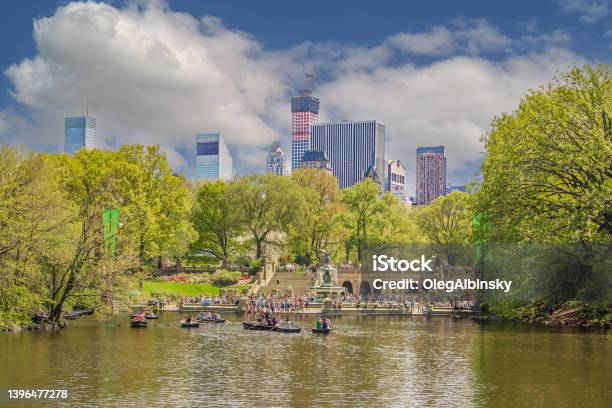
(326, 285)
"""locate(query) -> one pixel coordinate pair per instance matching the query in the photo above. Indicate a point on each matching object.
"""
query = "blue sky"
(434, 72)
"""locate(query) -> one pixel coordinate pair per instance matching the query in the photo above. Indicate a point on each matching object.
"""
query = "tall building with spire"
(304, 112)
(275, 163)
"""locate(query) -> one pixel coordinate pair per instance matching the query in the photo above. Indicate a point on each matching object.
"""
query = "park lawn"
(183, 289)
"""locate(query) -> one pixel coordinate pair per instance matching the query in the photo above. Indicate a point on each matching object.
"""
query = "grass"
(182, 289)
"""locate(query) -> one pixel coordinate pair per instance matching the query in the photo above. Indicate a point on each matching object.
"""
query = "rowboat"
(321, 331)
(189, 325)
(151, 317)
(139, 323)
(211, 320)
(202, 318)
(287, 328)
(256, 326)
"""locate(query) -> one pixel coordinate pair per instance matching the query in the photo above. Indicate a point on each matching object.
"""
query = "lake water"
(373, 361)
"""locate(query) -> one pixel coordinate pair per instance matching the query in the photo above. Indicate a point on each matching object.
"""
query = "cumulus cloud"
(449, 102)
(473, 37)
(590, 11)
(151, 75)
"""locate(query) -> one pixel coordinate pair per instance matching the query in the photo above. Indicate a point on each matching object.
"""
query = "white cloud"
(449, 102)
(551, 38)
(590, 11)
(151, 75)
(472, 37)
(438, 41)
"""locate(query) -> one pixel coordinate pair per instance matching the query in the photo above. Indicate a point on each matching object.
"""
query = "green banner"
(110, 220)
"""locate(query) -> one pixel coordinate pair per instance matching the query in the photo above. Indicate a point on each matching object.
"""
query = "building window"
(208, 149)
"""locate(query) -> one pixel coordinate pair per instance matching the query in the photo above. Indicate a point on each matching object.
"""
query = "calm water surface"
(373, 361)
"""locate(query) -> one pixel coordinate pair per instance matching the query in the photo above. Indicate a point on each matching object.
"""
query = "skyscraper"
(276, 160)
(395, 180)
(213, 160)
(79, 132)
(352, 148)
(430, 174)
(304, 112)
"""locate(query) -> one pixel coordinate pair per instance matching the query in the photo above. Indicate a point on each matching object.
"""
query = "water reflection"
(368, 361)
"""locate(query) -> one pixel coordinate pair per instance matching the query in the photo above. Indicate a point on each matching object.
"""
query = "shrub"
(225, 278)
(255, 266)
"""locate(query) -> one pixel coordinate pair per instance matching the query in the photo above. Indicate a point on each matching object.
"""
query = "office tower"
(304, 112)
(79, 132)
(353, 148)
(430, 174)
(213, 160)
(395, 180)
(315, 160)
(275, 163)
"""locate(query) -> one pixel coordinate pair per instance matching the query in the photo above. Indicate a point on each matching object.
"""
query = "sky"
(159, 72)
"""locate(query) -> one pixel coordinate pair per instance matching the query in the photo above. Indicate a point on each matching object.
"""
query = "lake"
(368, 361)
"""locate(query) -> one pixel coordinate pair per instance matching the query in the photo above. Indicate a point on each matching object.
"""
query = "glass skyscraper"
(79, 132)
(213, 160)
(352, 148)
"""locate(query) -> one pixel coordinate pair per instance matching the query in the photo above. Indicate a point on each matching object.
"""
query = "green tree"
(88, 185)
(28, 216)
(216, 221)
(156, 203)
(447, 221)
(318, 226)
(363, 205)
(268, 207)
(546, 174)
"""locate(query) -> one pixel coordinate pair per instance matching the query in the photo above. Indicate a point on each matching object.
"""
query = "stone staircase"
(283, 281)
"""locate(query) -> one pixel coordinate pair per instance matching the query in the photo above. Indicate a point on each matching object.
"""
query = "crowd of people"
(257, 305)
(287, 304)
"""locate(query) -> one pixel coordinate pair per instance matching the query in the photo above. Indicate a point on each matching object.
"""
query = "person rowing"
(318, 323)
(188, 318)
(139, 317)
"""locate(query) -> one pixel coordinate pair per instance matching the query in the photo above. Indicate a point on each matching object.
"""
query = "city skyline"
(433, 73)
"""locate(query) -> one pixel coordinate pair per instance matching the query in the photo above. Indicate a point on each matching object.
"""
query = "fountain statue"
(327, 279)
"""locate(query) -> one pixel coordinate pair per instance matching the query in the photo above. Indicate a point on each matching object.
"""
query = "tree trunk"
(258, 248)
